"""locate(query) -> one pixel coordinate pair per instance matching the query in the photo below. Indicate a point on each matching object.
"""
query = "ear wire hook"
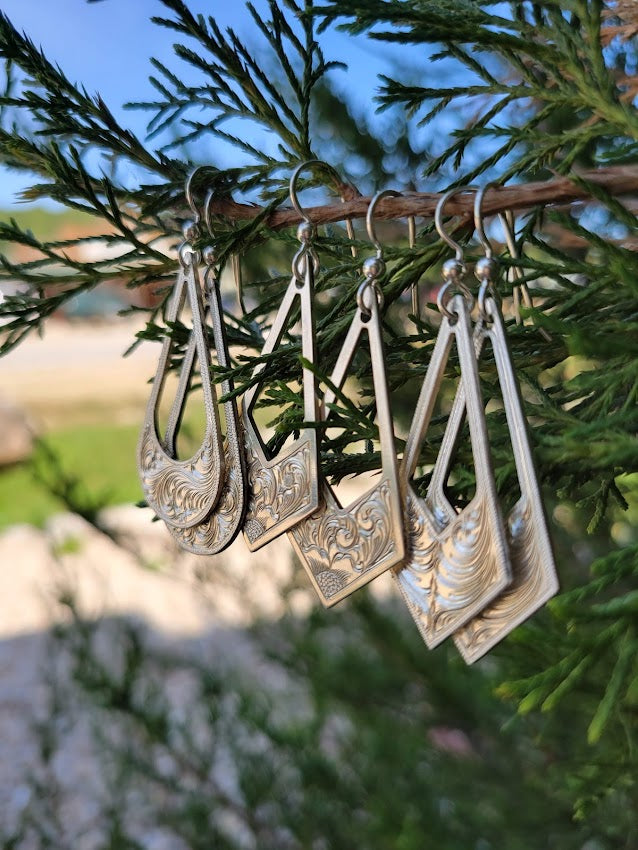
(478, 220)
(521, 289)
(294, 198)
(507, 224)
(372, 233)
(188, 191)
(373, 267)
(192, 231)
(236, 265)
(372, 236)
(454, 270)
(414, 289)
(486, 267)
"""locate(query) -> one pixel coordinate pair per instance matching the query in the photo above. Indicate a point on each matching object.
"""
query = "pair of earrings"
(203, 499)
(460, 571)
(341, 547)
(468, 573)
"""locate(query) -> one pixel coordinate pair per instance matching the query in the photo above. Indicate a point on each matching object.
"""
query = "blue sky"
(106, 46)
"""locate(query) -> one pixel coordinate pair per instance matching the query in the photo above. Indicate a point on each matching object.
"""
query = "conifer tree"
(545, 103)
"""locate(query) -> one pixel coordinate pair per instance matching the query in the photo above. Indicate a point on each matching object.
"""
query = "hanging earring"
(183, 493)
(222, 525)
(455, 563)
(343, 548)
(534, 572)
(520, 289)
(284, 489)
(415, 296)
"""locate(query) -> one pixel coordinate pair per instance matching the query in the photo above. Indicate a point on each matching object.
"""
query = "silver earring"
(224, 522)
(456, 563)
(183, 493)
(534, 572)
(284, 489)
(343, 548)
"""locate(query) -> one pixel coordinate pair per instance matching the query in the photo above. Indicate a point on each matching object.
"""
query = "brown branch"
(617, 180)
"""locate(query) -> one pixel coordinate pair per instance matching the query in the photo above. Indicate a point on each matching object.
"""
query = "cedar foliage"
(550, 88)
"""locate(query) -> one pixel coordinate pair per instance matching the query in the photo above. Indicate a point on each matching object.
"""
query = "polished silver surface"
(182, 493)
(455, 563)
(224, 522)
(343, 548)
(284, 489)
(534, 572)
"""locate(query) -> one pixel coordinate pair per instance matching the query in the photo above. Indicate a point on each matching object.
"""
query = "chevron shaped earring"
(183, 492)
(456, 562)
(534, 573)
(284, 489)
(343, 548)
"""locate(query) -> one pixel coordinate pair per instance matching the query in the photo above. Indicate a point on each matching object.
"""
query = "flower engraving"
(220, 528)
(448, 575)
(278, 491)
(181, 492)
(340, 546)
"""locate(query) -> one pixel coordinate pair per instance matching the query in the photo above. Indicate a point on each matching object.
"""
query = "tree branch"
(617, 180)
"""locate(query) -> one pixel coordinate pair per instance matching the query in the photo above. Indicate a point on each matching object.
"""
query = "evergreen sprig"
(542, 92)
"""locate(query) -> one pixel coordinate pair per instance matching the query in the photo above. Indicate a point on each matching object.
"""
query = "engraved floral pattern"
(534, 582)
(182, 493)
(220, 529)
(339, 546)
(278, 491)
(450, 574)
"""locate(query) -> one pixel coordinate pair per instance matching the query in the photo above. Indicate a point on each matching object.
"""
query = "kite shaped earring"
(534, 573)
(222, 525)
(284, 489)
(456, 563)
(183, 492)
(343, 548)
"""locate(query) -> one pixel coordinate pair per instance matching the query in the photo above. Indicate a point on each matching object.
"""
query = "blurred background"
(153, 699)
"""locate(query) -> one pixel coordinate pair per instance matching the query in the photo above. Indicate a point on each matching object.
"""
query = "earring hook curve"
(479, 219)
(486, 267)
(372, 233)
(373, 267)
(438, 219)
(294, 198)
(188, 190)
(453, 270)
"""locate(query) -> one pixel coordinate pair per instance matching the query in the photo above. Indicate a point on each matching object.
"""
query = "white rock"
(17, 434)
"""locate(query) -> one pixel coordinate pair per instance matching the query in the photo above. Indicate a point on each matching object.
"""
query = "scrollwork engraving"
(221, 527)
(342, 548)
(279, 492)
(179, 491)
(534, 582)
(448, 574)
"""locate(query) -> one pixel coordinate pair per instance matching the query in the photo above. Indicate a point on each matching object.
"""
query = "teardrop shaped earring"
(224, 522)
(183, 493)
(455, 563)
(343, 548)
(534, 572)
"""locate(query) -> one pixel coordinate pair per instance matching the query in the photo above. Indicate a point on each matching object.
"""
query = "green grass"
(46, 223)
(101, 457)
